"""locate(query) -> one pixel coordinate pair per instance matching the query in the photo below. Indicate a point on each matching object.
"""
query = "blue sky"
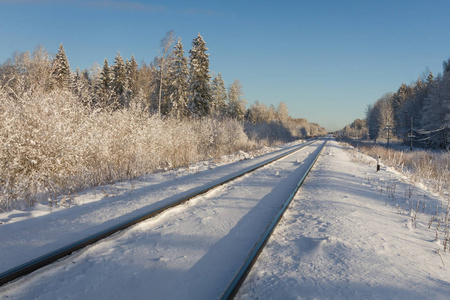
(327, 60)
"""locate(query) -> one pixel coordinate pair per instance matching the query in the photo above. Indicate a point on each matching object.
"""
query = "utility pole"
(388, 128)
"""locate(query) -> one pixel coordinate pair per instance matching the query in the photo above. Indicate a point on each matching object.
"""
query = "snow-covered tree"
(258, 113)
(82, 86)
(199, 88)
(218, 96)
(61, 69)
(379, 116)
(413, 107)
(436, 112)
(446, 66)
(104, 85)
(401, 116)
(282, 112)
(386, 114)
(119, 79)
(178, 82)
(132, 75)
(236, 104)
(430, 79)
(162, 63)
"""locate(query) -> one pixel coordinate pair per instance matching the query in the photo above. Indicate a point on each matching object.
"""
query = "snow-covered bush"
(273, 133)
(431, 168)
(52, 143)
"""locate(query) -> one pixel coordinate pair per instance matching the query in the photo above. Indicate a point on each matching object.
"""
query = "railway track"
(44, 260)
(239, 278)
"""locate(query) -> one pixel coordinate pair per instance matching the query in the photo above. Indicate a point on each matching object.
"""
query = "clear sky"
(327, 60)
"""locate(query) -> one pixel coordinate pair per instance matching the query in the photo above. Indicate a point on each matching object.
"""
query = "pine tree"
(177, 81)
(61, 69)
(200, 93)
(218, 96)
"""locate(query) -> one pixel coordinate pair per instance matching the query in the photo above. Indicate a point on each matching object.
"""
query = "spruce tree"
(103, 90)
(119, 81)
(199, 88)
(76, 81)
(119, 75)
(132, 75)
(61, 69)
(177, 81)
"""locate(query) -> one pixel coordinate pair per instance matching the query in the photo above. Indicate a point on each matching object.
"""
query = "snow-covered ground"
(342, 237)
(35, 231)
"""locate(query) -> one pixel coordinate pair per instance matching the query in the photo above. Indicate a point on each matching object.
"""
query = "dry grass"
(425, 167)
(430, 168)
(52, 144)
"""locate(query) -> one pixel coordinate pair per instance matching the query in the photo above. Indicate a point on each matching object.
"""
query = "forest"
(63, 130)
(418, 112)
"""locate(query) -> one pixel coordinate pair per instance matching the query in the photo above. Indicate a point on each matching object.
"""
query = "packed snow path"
(344, 238)
(200, 244)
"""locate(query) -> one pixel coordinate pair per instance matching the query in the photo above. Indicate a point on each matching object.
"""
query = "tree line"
(419, 111)
(172, 85)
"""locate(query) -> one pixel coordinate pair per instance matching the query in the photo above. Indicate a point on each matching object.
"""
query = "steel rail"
(239, 278)
(46, 259)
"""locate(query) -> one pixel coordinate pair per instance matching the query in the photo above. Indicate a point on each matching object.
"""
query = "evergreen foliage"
(424, 106)
(65, 131)
(199, 87)
(132, 75)
(178, 82)
(103, 89)
(119, 81)
(61, 69)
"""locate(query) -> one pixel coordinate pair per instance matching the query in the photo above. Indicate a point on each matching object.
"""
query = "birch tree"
(162, 63)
